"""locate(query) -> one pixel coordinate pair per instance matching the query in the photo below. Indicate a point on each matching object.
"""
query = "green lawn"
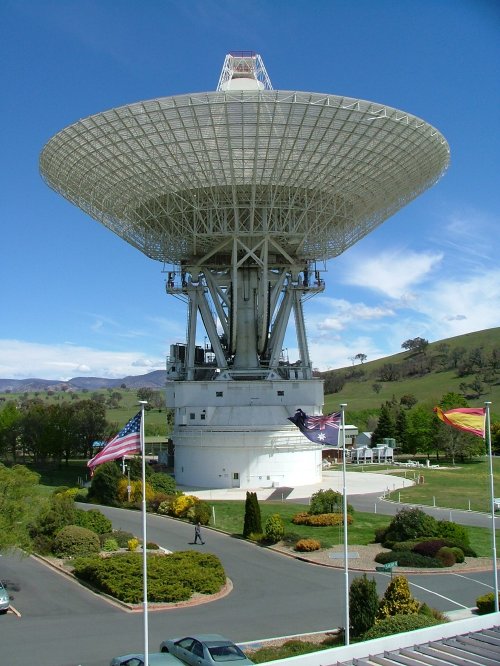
(229, 518)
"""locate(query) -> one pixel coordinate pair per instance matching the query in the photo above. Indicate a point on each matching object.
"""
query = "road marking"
(473, 580)
(425, 589)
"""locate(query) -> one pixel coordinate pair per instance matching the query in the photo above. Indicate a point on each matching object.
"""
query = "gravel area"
(362, 558)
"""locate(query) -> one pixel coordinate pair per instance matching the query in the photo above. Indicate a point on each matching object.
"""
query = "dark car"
(205, 650)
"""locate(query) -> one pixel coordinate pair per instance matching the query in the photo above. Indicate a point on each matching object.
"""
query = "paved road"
(63, 624)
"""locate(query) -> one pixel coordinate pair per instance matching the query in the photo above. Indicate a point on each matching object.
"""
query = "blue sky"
(77, 300)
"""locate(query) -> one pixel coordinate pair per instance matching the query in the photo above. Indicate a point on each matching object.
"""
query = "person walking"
(197, 533)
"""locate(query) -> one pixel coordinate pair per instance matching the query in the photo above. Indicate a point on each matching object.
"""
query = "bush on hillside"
(76, 541)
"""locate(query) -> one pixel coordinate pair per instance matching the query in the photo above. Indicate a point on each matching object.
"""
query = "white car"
(154, 659)
(4, 599)
(206, 650)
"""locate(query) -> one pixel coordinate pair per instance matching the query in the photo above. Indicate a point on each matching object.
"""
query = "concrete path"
(357, 483)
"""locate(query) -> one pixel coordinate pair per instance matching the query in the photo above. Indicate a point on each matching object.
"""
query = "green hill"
(466, 364)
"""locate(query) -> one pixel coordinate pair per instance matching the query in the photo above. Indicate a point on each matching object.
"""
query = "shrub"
(135, 491)
(327, 501)
(165, 506)
(446, 556)
(320, 520)
(93, 520)
(156, 500)
(459, 554)
(404, 545)
(454, 532)
(55, 514)
(171, 578)
(363, 604)
(411, 523)
(258, 537)
(200, 513)
(132, 544)
(104, 485)
(120, 536)
(274, 528)
(181, 504)
(432, 612)
(252, 522)
(161, 482)
(397, 624)
(486, 603)
(110, 545)
(290, 538)
(307, 545)
(429, 548)
(76, 541)
(151, 545)
(380, 534)
(397, 599)
(406, 558)
(43, 544)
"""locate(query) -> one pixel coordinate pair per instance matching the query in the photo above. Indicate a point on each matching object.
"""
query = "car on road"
(4, 599)
(205, 650)
(154, 659)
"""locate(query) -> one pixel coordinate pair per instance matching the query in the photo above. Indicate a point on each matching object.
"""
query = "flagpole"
(344, 511)
(144, 539)
(492, 498)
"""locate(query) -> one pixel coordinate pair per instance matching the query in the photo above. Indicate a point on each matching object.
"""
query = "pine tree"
(252, 523)
(363, 604)
(385, 426)
(397, 599)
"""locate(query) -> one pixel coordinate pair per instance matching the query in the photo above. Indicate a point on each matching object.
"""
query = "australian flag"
(318, 429)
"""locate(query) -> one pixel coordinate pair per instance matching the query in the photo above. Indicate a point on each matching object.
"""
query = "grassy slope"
(429, 388)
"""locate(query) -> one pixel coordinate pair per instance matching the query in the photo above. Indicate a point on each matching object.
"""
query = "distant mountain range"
(154, 380)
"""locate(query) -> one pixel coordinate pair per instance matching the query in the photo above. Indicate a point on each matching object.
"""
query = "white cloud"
(392, 272)
(20, 360)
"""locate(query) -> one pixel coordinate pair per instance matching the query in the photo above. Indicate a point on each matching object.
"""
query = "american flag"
(128, 440)
(318, 429)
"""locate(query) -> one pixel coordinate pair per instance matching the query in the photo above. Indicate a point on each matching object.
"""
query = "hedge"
(171, 578)
(406, 558)
(397, 624)
(321, 519)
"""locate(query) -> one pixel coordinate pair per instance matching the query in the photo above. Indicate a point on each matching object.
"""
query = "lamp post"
(344, 511)
(487, 430)
(144, 539)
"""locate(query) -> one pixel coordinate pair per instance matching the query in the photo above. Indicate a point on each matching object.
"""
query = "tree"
(252, 521)
(10, 418)
(421, 424)
(402, 429)
(389, 372)
(363, 604)
(376, 387)
(385, 426)
(361, 357)
(397, 599)
(104, 485)
(18, 501)
(415, 345)
(408, 400)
